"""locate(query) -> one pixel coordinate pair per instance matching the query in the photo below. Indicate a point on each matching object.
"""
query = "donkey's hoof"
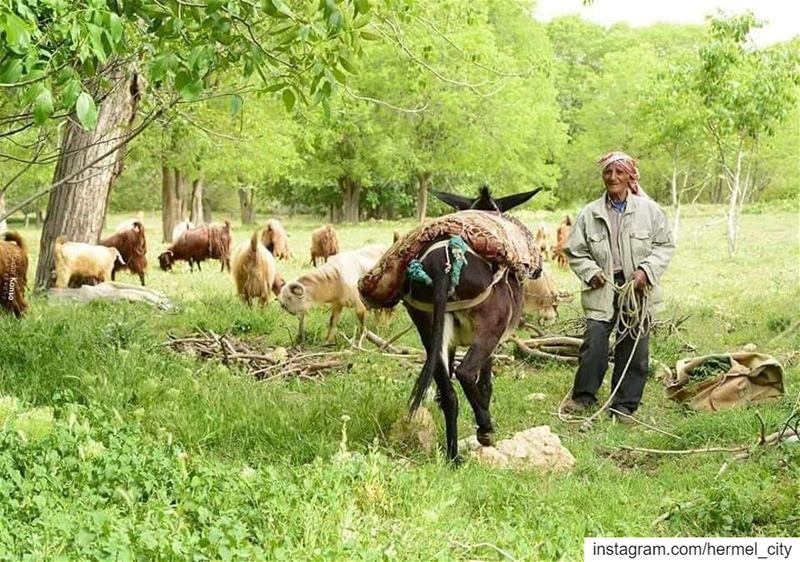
(456, 461)
(486, 438)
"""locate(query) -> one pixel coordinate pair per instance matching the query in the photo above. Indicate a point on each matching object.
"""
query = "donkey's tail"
(438, 353)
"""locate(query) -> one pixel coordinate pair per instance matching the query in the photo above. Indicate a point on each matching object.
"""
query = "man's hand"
(597, 281)
(640, 280)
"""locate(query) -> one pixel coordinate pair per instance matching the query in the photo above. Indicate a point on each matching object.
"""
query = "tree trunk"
(196, 214)
(676, 197)
(206, 209)
(75, 208)
(3, 225)
(246, 196)
(39, 218)
(733, 203)
(168, 203)
(351, 192)
(182, 193)
(422, 195)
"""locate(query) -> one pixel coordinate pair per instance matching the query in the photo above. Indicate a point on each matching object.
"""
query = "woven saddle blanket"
(499, 239)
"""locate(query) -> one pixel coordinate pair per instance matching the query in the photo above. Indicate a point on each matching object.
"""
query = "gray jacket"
(645, 243)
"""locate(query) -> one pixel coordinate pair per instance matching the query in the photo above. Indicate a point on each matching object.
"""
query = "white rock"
(536, 448)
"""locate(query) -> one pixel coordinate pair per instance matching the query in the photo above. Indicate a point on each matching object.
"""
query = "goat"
(324, 244)
(334, 283)
(128, 223)
(542, 298)
(254, 271)
(85, 260)
(179, 229)
(132, 245)
(13, 273)
(544, 238)
(562, 233)
(197, 245)
(276, 240)
(495, 309)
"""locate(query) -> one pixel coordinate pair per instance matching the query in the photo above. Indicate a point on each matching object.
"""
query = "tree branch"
(417, 109)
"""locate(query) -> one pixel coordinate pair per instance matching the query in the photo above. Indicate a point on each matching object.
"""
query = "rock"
(468, 444)
(536, 448)
(417, 433)
(749, 347)
(537, 396)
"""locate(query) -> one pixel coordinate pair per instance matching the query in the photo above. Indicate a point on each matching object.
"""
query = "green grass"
(148, 454)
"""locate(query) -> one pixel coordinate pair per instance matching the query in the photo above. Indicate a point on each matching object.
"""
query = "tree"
(668, 115)
(64, 57)
(746, 93)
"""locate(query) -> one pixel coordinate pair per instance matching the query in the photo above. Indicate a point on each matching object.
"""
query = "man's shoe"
(572, 406)
(622, 416)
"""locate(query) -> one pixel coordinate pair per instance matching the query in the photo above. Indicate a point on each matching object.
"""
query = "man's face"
(616, 180)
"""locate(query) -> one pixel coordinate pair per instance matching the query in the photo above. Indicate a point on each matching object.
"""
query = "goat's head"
(485, 201)
(294, 298)
(165, 260)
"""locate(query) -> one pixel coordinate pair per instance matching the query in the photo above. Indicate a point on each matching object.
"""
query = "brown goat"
(324, 244)
(544, 239)
(276, 240)
(254, 271)
(132, 245)
(13, 273)
(219, 244)
(561, 240)
(199, 244)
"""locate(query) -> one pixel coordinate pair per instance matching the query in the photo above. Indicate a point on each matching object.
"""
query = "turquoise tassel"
(416, 273)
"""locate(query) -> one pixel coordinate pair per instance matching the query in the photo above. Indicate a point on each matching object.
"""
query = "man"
(620, 237)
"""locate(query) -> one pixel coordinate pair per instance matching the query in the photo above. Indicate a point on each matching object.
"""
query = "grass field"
(116, 448)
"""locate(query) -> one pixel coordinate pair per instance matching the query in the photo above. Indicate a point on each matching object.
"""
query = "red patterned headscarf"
(627, 165)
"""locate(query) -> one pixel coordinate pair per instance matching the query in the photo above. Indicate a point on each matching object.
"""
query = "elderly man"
(623, 236)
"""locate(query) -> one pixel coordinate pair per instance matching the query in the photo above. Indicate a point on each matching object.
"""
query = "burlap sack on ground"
(751, 378)
(497, 238)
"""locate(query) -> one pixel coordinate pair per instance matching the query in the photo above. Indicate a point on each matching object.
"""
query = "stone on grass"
(415, 434)
(535, 448)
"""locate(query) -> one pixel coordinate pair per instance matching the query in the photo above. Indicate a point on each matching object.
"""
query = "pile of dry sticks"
(264, 363)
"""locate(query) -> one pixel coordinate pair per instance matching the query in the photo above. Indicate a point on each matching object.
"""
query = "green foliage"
(51, 50)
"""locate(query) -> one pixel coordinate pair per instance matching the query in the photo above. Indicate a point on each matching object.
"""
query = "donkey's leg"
(485, 382)
(445, 393)
(477, 356)
(491, 318)
(448, 400)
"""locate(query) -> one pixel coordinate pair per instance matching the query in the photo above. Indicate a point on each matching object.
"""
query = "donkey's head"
(484, 201)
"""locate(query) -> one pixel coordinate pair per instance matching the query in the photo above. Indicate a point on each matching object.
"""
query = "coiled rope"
(633, 320)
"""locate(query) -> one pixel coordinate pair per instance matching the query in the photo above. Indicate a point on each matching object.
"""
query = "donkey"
(488, 303)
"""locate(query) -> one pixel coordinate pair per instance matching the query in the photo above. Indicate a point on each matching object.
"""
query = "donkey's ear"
(510, 201)
(458, 202)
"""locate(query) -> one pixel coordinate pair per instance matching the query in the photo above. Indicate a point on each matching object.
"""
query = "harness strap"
(455, 306)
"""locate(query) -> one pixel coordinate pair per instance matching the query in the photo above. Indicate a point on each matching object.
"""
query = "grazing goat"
(132, 245)
(562, 233)
(254, 271)
(199, 244)
(334, 283)
(179, 229)
(13, 273)
(542, 298)
(84, 260)
(276, 240)
(493, 298)
(324, 244)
